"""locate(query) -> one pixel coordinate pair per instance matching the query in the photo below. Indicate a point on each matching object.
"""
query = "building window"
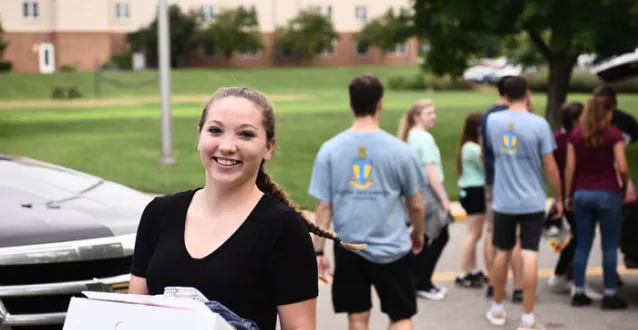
(328, 52)
(30, 9)
(400, 50)
(122, 11)
(208, 12)
(360, 13)
(362, 49)
(207, 50)
(329, 12)
(250, 54)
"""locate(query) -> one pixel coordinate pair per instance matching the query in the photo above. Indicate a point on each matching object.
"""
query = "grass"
(122, 144)
(29, 86)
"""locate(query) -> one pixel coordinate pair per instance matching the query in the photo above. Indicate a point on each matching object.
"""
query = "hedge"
(582, 82)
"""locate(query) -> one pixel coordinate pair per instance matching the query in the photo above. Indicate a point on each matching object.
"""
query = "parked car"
(61, 232)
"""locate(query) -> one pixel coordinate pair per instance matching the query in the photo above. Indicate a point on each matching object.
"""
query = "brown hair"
(569, 114)
(407, 121)
(593, 119)
(470, 133)
(264, 182)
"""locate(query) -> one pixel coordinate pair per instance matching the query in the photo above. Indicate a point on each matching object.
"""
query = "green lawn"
(122, 144)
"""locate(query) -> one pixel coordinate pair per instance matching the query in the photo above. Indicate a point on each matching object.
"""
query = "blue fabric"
(606, 208)
(230, 317)
(488, 153)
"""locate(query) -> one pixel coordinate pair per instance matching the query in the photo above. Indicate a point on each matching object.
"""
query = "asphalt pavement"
(465, 308)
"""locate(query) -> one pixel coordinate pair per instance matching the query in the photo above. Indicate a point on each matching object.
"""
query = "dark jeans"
(606, 207)
(565, 264)
(428, 258)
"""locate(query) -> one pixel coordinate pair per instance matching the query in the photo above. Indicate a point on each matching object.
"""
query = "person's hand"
(568, 204)
(559, 211)
(445, 204)
(323, 264)
(418, 242)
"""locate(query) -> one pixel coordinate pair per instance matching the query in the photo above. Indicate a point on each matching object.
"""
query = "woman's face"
(232, 141)
(427, 118)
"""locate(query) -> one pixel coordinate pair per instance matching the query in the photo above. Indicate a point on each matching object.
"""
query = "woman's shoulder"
(469, 146)
(167, 202)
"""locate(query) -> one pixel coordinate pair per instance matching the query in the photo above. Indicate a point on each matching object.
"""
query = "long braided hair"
(263, 181)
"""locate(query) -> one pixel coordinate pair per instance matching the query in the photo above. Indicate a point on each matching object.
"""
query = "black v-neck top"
(268, 261)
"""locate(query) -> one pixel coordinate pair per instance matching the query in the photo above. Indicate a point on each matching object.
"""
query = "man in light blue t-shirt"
(523, 144)
(368, 183)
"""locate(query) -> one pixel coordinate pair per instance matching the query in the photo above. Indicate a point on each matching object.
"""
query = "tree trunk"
(560, 75)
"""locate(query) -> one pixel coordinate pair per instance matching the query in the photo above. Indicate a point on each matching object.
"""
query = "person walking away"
(524, 144)
(563, 275)
(487, 155)
(414, 129)
(368, 183)
(595, 151)
(471, 182)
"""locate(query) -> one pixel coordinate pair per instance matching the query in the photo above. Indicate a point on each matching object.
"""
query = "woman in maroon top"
(595, 151)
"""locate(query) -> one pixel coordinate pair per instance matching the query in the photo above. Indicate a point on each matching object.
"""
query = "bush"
(416, 82)
(6, 66)
(447, 84)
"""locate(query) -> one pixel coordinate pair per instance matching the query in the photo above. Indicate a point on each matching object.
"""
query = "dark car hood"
(43, 203)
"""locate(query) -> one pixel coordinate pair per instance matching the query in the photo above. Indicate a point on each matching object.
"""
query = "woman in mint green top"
(472, 196)
(414, 130)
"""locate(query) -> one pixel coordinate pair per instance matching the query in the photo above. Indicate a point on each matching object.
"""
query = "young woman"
(472, 196)
(239, 240)
(595, 157)
(414, 129)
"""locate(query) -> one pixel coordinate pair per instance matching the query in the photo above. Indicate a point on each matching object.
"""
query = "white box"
(120, 311)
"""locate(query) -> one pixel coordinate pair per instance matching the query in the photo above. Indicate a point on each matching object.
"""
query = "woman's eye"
(247, 134)
(215, 130)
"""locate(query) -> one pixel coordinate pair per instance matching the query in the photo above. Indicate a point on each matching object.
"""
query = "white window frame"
(356, 50)
(329, 11)
(122, 11)
(31, 10)
(328, 53)
(208, 12)
(361, 13)
(402, 50)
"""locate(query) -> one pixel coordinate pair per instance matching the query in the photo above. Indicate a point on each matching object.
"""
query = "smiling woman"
(239, 239)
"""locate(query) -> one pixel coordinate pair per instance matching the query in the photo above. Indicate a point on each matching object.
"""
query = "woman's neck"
(420, 126)
(224, 198)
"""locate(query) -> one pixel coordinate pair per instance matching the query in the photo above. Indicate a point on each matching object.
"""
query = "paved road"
(464, 308)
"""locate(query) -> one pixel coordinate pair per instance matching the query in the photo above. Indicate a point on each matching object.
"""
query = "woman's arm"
(137, 285)
(622, 166)
(570, 167)
(299, 316)
(437, 185)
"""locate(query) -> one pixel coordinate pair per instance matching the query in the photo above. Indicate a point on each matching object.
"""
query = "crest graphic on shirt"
(510, 141)
(361, 169)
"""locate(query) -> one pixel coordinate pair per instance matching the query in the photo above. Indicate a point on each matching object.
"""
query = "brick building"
(46, 34)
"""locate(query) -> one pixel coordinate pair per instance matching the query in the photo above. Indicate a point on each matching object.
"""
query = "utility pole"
(164, 54)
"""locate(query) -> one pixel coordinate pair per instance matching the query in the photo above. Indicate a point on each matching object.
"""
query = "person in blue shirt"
(368, 183)
(523, 145)
(488, 164)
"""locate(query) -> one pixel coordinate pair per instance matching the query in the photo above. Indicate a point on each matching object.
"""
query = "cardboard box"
(119, 311)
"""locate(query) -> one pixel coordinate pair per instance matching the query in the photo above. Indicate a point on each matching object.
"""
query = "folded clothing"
(233, 319)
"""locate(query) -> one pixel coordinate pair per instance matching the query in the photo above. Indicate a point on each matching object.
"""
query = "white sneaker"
(432, 294)
(558, 283)
(589, 292)
(496, 318)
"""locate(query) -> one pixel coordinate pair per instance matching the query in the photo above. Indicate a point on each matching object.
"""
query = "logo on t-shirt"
(361, 169)
(510, 141)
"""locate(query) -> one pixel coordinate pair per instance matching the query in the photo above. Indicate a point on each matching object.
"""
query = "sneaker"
(531, 326)
(581, 299)
(432, 294)
(558, 283)
(589, 292)
(479, 277)
(468, 281)
(496, 318)
(517, 296)
(613, 302)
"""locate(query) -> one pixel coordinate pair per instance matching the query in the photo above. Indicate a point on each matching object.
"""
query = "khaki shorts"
(489, 212)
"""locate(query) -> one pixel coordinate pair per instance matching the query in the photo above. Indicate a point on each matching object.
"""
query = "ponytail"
(269, 187)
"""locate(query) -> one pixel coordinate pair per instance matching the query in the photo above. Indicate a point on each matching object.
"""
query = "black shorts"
(393, 282)
(505, 225)
(473, 199)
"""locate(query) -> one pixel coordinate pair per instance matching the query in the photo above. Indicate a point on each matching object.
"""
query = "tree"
(233, 30)
(306, 35)
(559, 30)
(182, 31)
(4, 66)
(386, 32)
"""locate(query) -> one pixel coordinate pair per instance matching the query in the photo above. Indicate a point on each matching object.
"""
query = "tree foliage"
(559, 30)
(4, 65)
(306, 35)
(387, 31)
(182, 31)
(232, 30)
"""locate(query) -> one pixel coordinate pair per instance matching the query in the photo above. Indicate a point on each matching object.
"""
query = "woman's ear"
(270, 146)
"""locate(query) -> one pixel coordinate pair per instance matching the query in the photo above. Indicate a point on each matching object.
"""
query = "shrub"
(582, 81)
(448, 84)
(414, 82)
(6, 66)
